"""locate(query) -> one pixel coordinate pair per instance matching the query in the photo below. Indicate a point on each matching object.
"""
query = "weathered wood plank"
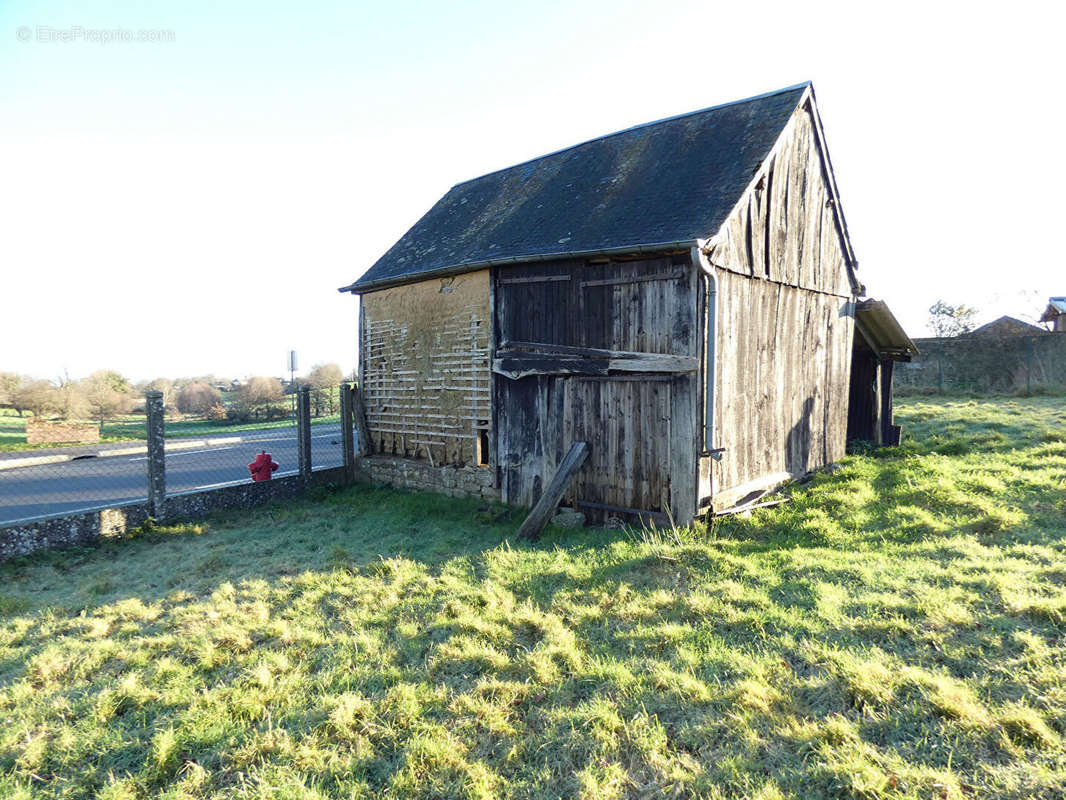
(786, 228)
(549, 500)
(517, 368)
(521, 366)
(684, 427)
(659, 276)
(362, 431)
(750, 507)
(782, 371)
(534, 279)
(508, 348)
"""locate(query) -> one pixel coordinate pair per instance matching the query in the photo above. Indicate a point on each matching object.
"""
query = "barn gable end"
(785, 305)
(788, 226)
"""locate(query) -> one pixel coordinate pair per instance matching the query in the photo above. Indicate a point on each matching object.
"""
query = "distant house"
(1005, 355)
(681, 295)
(1055, 313)
(1006, 326)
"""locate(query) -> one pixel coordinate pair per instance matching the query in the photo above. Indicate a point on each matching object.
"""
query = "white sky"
(191, 206)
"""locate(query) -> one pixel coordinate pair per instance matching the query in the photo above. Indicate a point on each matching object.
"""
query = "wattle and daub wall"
(425, 370)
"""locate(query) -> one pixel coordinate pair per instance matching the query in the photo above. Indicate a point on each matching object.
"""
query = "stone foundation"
(411, 474)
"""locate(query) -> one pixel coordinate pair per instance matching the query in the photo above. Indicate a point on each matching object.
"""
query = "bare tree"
(9, 386)
(70, 402)
(197, 398)
(107, 393)
(164, 386)
(323, 380)
(37, 396)
(259, 395)
(948, 320)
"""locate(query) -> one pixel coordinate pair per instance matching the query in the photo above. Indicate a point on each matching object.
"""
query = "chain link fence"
(301, 433)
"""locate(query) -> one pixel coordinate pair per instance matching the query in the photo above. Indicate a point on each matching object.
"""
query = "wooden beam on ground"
(750, 507)
(658, 517)
(545, 507)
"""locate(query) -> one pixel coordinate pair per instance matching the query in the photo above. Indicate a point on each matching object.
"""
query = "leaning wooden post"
(545, 507)
(303, 431)
(157, 466)
(363, 445)
(347, 432)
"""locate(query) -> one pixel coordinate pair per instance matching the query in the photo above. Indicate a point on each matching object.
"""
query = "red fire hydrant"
(263, 467)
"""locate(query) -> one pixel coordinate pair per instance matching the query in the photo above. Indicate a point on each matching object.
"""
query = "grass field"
(132, 427)
(896, 631)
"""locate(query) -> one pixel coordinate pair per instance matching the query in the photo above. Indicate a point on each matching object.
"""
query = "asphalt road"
(97, 482)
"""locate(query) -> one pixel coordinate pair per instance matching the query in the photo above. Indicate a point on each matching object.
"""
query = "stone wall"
(71, 529)
(985, 364)
(417, 474)
(46, 431)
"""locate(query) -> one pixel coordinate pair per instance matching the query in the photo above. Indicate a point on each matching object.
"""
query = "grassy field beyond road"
(132, 427)
(896, 631)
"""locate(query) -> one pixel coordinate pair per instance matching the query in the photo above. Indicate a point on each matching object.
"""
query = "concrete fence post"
(303, 431)
(157, 466)
(347, 432)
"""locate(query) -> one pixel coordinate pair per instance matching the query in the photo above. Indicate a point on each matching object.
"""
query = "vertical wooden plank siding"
(638, 426)
(629, 422)
(425, 368)
(864, 400)
(785, 228)
(684, 406)
(782, 367)
(785, 323)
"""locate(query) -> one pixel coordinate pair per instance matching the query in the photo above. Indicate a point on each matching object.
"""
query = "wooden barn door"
(626, 421)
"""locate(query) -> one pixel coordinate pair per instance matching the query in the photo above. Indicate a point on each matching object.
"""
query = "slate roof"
(648, 187)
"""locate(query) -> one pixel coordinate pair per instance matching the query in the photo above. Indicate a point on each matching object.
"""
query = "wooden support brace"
(362, 431)
(545, 507)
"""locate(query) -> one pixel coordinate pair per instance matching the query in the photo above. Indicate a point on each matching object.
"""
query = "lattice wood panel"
(426, 378)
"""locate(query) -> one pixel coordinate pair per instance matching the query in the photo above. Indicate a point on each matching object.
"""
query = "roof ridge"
(764, 95)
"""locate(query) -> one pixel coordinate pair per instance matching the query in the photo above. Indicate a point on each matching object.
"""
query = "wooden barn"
(680, 295)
